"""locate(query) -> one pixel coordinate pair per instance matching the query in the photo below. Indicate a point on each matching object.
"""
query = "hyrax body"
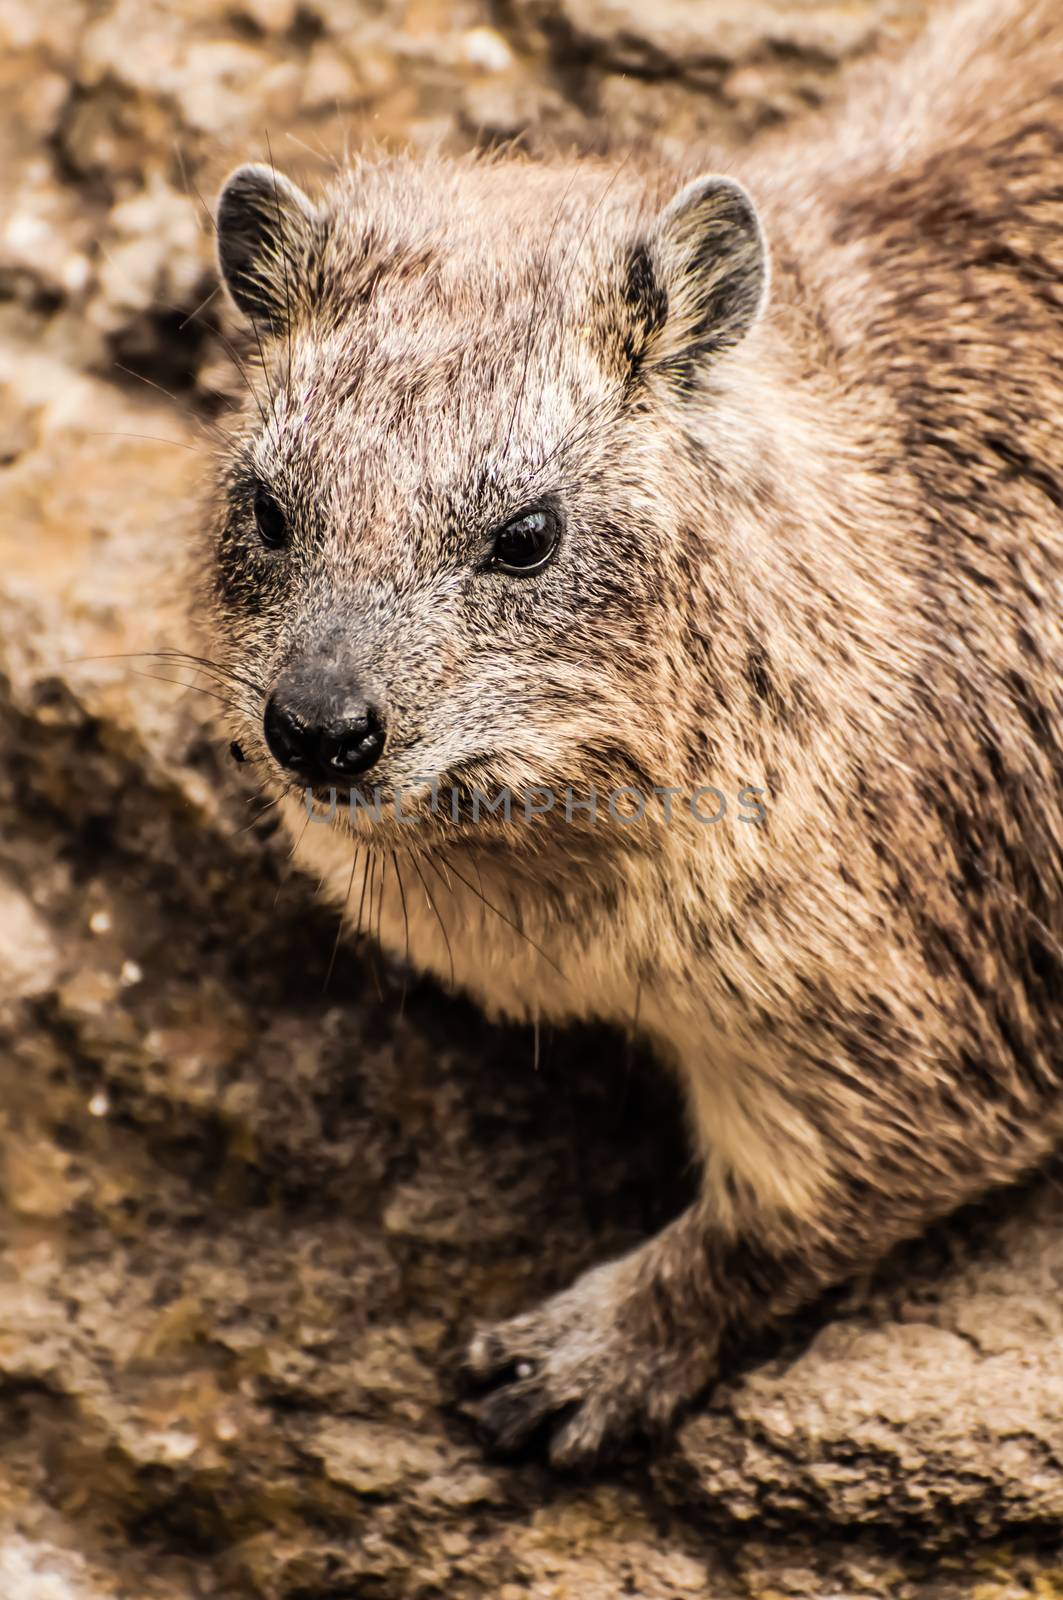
(552, 481)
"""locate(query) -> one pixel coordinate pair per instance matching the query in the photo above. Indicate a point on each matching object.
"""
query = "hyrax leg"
(620, 1350)
(633, 1340)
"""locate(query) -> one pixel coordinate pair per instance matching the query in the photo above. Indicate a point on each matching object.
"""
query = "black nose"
(323, 753)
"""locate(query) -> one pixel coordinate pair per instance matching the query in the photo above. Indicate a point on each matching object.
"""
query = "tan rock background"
(248, 1215)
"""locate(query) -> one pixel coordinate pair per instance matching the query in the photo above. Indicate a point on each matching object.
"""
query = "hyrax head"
(454, 520)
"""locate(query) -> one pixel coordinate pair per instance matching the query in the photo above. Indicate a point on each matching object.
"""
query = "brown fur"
(813, 543)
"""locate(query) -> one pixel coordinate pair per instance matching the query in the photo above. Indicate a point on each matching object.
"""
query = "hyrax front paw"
(587, 1368)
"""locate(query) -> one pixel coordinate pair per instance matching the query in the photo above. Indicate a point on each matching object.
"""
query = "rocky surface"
(251, 1205)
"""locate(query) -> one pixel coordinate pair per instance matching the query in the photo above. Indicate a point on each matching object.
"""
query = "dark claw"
(508, 1417)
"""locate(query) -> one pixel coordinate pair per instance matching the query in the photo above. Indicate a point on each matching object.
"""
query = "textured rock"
(703, 68)
(938, 1403)
(252, 1206)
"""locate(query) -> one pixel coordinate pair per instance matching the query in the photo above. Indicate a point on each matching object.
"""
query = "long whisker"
(284, 258)
(482, 893)
(319, 152)
(230, 695)
(206, 664)
(190, 186)
(176, 657)
(380, 895)
(265, 372)
(194, 315)
(257, 818)
(154, 438)
(339, 928)
(578, 430)
(241, 368)
(533, 314)
(507, 920)
(233, 353)
(369, 927)
(291, 852)
(361, 897)
(199, 421)
(405, 930)
(302, 833)
(570, 256)
(431, 901)
(194, 688)
(197, 311)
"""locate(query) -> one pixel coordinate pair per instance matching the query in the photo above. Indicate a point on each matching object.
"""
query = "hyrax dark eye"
(270, 520)
(526, 544)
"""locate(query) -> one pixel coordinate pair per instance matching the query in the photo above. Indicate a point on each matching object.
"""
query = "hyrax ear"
(268, 234)
(701, 284)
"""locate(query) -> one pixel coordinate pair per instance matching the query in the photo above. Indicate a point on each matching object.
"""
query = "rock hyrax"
(570, 478)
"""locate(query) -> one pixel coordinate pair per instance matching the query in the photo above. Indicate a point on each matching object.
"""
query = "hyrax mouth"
(364, 809)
